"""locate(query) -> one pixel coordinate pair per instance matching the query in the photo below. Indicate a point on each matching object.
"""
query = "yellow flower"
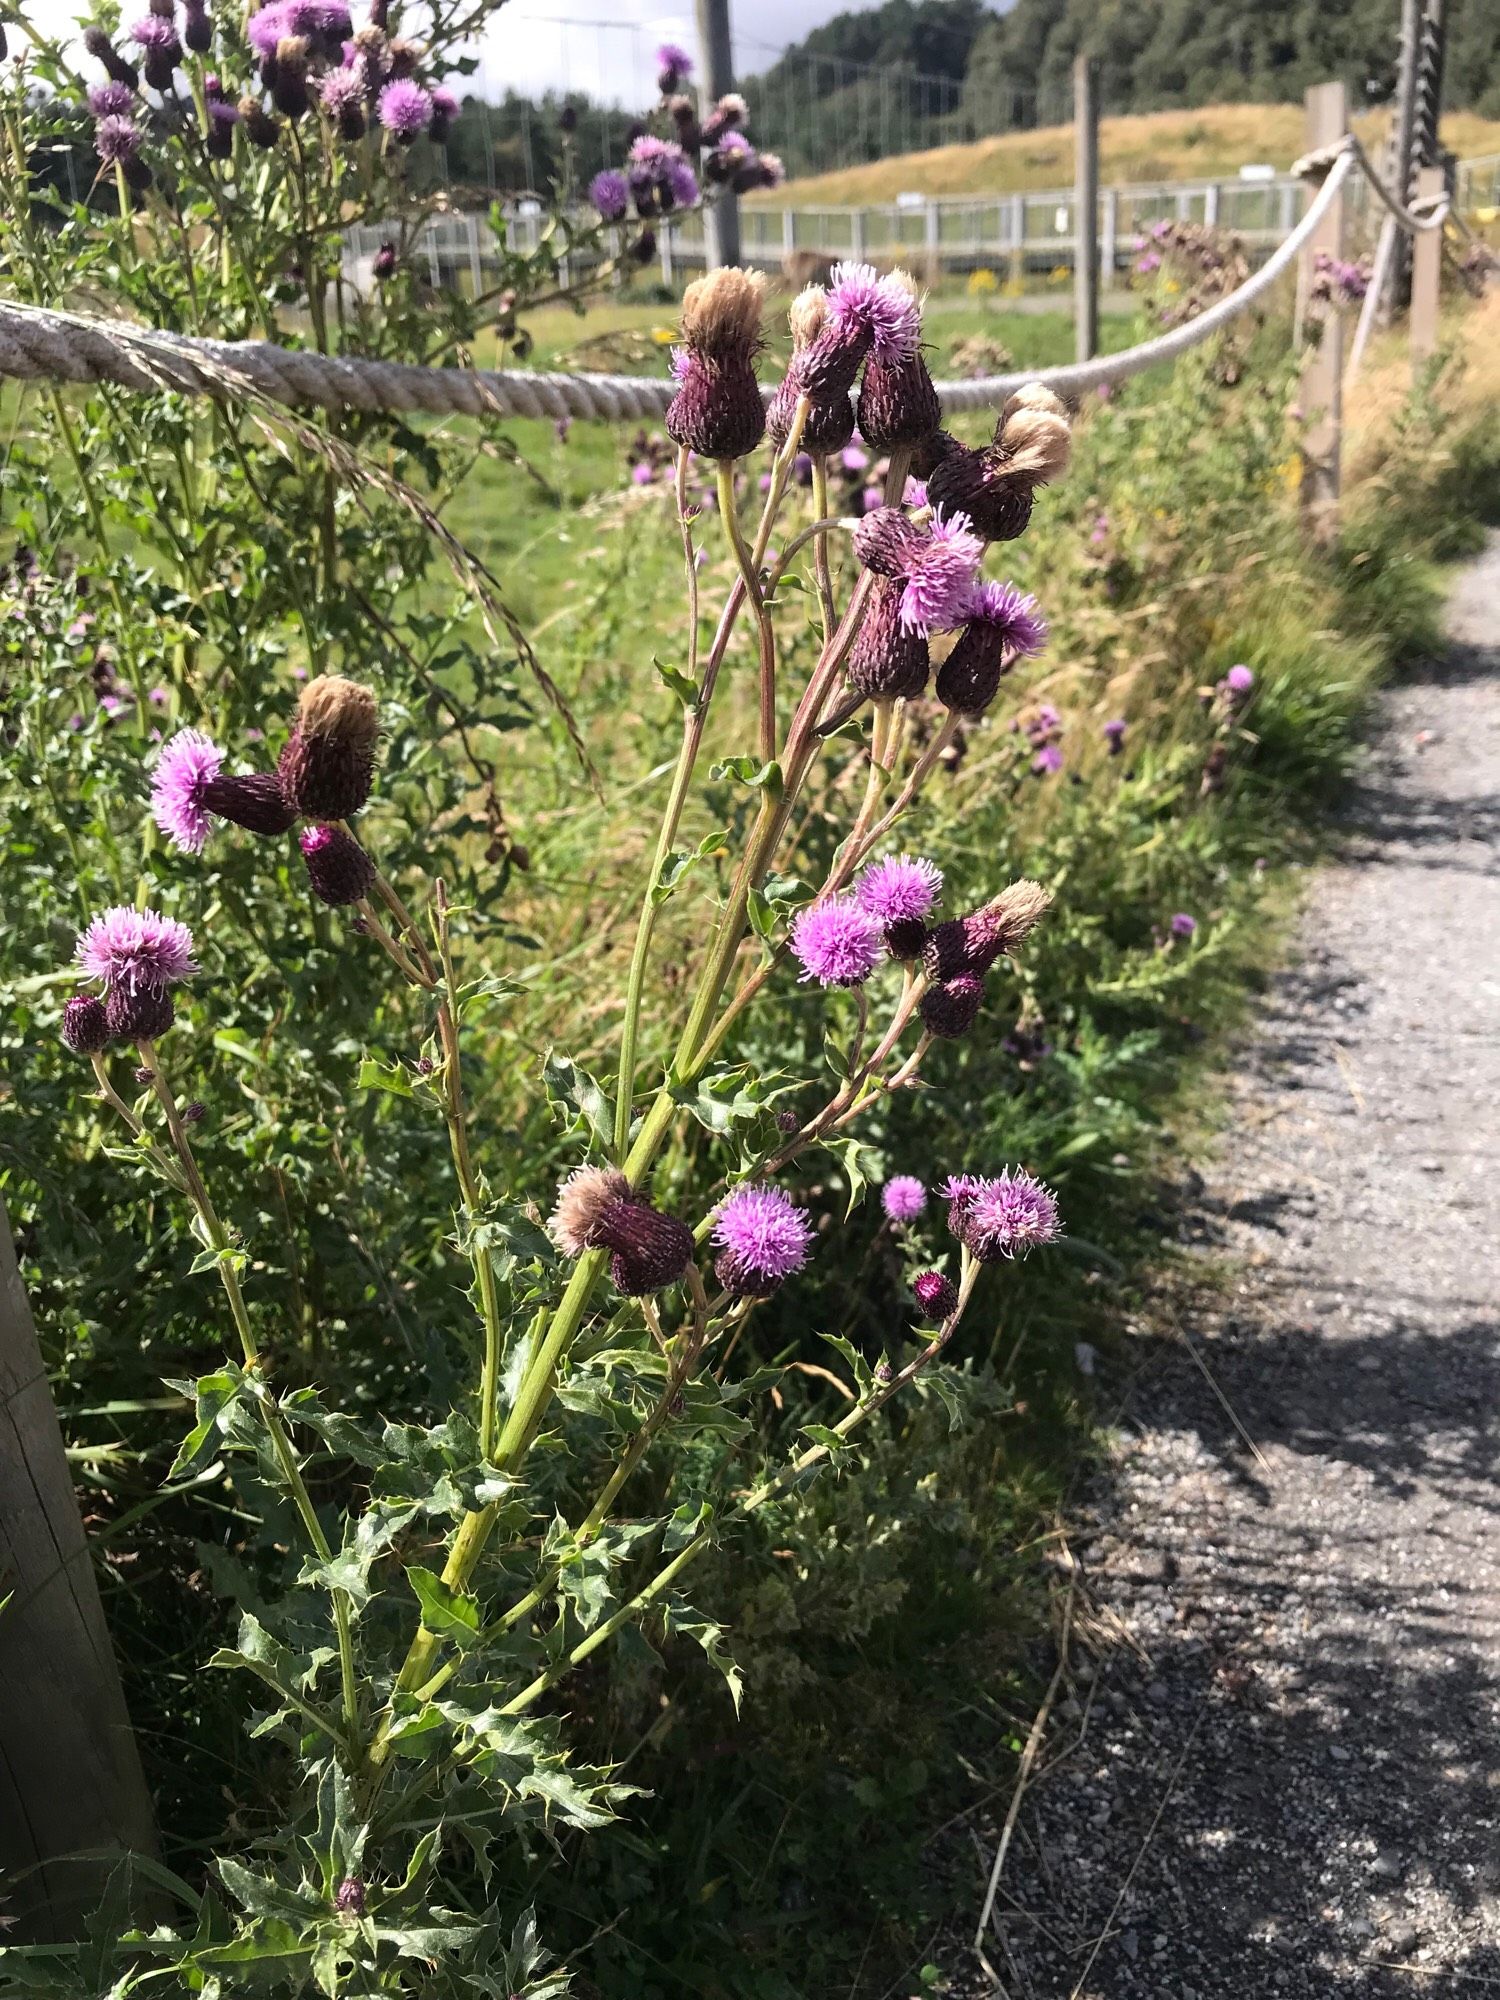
(981, 283)
(663, 336)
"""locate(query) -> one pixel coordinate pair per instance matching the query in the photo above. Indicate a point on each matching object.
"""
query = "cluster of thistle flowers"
(1043, 731)
(1338, 281)
(308, 53)
(661, 174)
(761, 1237)
(1204, 263)
(324, 775)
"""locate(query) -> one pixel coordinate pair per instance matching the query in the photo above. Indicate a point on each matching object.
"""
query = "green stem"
(281, 1444)
(765, 629)
(820, 543)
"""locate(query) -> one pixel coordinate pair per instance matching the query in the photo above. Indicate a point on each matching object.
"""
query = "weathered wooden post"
(1426, 275)
(1323, 363)
(1086, 208)
(721, 212)
(70, 1774)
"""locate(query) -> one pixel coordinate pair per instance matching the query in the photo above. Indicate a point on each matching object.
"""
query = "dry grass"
(1471, 331)
(1159, 145)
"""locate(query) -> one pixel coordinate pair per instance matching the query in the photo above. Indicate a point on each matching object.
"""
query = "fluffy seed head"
(328, 764)
(807, 316)
(338, 869)
(85, 1030)
(184, 770)
(763, 1237)
(721, 313)
(972, 944)
(1033, 435)
(935, 1294)
(836, 942)
(985, 487)
(133, 951)
(903, 1198)
(582, 1201)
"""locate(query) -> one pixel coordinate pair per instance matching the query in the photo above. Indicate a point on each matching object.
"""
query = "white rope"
(37, 344)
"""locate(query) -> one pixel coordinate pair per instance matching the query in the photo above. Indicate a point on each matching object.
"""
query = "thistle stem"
(749, 572)
(820, 543)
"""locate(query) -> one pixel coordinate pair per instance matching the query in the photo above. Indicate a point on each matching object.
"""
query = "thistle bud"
(328, 765)
(829, 423)
(898, 405)
(935, 1294)
(197, 29)
(261, 128)
(338, 869)
(349, 1898)
(85, 1029)
(888, 659)
(886, 542)
(951, 1008)
(103, 50)
(255, 802)
(289, 90)
(1003, 627)
(138, 1014)
(997, 486)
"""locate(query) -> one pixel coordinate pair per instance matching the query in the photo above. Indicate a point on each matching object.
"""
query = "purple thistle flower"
(1182, 925)
(1048, 759)
(1239, 680)
(1114, 736)
(671, 56)
(445, 108)
(915, 492)
(901, 889)
(185, 769)
(405, 109)
(341, 91)
(1013, 615)
(1004, 1216)
(266, 28)
(117, 141)
(152, 31)
(940, 582)
(836, 942)
(1147, 264)
(935, 1294)
(111, 100)
(642, 473)
(763, 1237)
(883, 311)
(903, 1199)
(349, 1898)
(135, 951)
(680, 182)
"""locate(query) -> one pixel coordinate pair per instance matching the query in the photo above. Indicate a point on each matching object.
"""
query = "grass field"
(1160, 145)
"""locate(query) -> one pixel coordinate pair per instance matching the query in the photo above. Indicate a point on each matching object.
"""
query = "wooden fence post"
(1426, 275)
(70, 1774)
(1323, 363)
(1086, 209)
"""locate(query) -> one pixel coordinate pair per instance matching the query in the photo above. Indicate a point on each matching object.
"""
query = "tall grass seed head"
(328, 765)
(763, 1238)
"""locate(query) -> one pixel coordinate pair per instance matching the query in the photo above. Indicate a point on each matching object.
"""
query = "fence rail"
(1017, 234)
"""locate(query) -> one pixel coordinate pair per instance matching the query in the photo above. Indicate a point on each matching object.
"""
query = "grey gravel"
(1299, 1651)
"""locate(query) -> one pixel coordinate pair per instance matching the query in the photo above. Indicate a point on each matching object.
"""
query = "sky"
(604, 47)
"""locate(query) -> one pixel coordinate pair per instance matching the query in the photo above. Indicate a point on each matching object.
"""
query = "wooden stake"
(1086, 208)
(1426, 276)
(721, 212)
(1323, 367)
(70, 1774)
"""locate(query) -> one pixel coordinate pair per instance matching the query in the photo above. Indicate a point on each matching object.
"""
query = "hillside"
(1162, 145)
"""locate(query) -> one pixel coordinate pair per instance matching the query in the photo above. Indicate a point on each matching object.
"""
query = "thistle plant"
(452, 1581)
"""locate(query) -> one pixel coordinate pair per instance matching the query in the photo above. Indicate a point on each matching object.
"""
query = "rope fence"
(40, 344)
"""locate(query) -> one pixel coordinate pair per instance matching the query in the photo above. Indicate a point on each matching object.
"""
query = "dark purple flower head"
(903, 1198)
(445, 108)
(935, 1294)
(763, 1237)
(610, 194)
(111, 100)
(383, 264)
(1003, 626)
(341, 91)
(837, 943)
(117, 140)
(889, 657)
(405, 109)
(903, 888)
(673, 66)
(349, 1898)
(132, 951)
(85, 1029)
(1003, 1216)
(103, 50)
(1182, 925)
(1114, 736)
(184, 770)
(140, 1016)
(152, 31)
(219, 132)
(1013, 615)
(338, 869)
(887, 542)
(971, 944)
(680, 183)
(197, 29)
(328, 764)
(717, 411)
(951, 1007)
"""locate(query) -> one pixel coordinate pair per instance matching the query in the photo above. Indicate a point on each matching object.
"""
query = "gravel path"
(1299, 1646)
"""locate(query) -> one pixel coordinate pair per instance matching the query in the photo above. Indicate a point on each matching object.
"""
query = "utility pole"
(721, 212)
(1086, 208)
